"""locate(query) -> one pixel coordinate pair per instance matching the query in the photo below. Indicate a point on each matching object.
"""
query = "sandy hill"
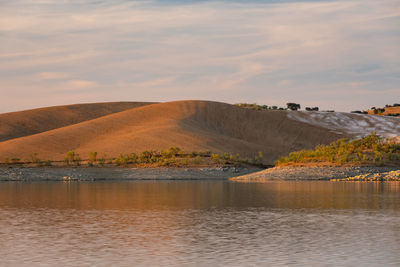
(190, 125)
(28, 122)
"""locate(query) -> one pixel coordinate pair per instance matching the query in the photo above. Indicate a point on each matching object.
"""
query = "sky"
(341, 55)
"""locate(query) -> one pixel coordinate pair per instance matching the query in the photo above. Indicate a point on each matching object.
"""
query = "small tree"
(93, 157)
(70, 157)
(293, 106)
(215, 157)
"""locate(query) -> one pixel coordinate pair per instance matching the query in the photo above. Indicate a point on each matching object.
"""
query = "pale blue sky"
(340, 55)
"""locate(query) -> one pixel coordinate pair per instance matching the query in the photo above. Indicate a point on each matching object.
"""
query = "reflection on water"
(202, 223)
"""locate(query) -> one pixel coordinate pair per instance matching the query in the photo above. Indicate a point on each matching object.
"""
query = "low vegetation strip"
(374, 177)
(371, 150)
(173, 157)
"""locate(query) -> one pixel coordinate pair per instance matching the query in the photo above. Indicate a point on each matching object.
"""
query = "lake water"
(199, 223)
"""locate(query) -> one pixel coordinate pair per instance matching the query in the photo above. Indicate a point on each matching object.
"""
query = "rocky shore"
(98, 174)
(375, 177)
(317, 173)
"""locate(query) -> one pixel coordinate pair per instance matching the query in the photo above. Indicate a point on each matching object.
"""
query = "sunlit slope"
(28, 122)
(190, 125)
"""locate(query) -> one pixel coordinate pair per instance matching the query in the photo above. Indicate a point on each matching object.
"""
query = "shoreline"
(237, 174)
(320, 174)
(122, 174)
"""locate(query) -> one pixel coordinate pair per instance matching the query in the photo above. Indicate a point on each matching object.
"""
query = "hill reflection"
(200, 195)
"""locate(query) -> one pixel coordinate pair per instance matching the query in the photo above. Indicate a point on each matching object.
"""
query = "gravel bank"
(96, 174)
(311, 173)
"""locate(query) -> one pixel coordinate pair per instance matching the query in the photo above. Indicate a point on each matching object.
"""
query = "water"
(199, 223)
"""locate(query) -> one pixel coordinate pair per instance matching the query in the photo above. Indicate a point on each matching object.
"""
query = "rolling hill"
(190, 125)
(28, 122)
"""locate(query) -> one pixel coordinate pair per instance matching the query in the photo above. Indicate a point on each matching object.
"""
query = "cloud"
(43, 76)
(223, 50)
(80, 84)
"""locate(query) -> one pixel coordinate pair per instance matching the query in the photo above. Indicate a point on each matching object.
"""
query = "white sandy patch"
(354, 124)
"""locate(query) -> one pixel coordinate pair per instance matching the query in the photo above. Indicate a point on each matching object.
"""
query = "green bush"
(369, 149)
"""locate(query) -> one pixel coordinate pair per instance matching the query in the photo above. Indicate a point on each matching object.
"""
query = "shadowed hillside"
(190, 125)
(28, 122)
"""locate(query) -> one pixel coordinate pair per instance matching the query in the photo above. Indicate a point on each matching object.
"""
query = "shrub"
(258, 158)
(197, 160)
(215, 157)
(121, 160)
(15, 160)
(6, 160)
(102, 160)
(133, 158)
(77, 160)
(185, 161)
(34, 158)
(174, 150)
(93, 157)
(148, 157)
(72, 158)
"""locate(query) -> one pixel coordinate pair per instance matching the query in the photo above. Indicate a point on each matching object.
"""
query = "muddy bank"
(311, 173)
(96, 174)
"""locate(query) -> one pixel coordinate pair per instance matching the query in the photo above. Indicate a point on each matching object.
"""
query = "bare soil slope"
(28, 122)
(190, 125)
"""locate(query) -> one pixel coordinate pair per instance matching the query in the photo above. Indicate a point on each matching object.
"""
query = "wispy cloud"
(256, 51)
(43, 76)
(80, 84)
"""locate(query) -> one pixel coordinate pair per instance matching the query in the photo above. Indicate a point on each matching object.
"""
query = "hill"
(28, 122)
(190, 125)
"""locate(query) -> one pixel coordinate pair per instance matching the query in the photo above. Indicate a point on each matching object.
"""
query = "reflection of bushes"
(370, 150)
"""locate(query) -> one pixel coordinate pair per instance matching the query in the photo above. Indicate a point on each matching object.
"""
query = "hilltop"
(29, 122)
